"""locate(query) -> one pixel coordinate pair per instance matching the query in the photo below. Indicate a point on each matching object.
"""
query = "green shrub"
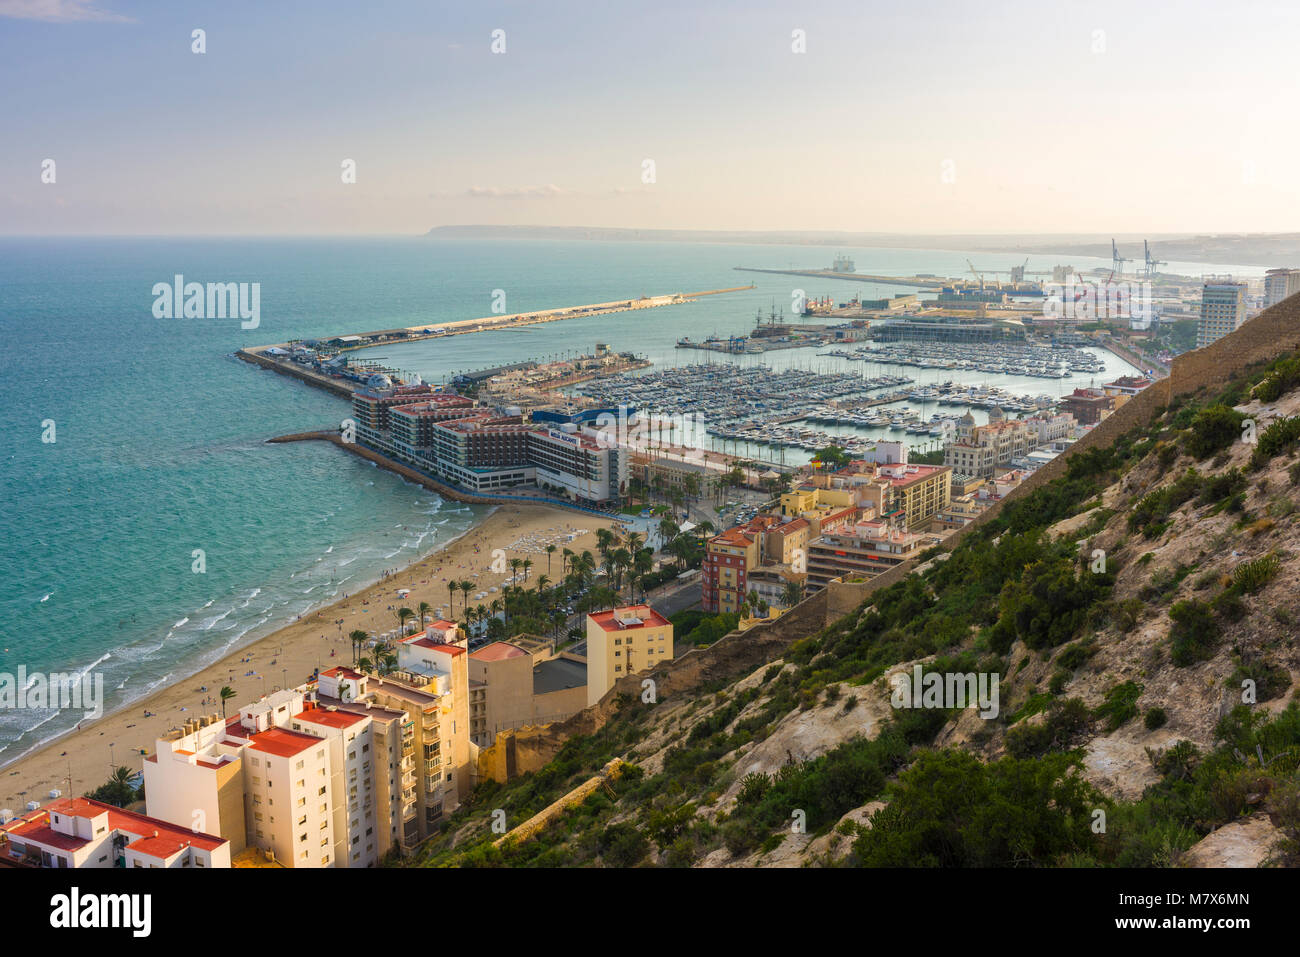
(1155, 718)
(1119, 705)
(1250, 577)
(951, 810)
(1270, 679)
(1065, 725)
(1213, 429)
(1194, 635)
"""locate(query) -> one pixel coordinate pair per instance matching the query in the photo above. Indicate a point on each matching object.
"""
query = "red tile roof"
(282, 743)
(139, 825)
(498, 651)
(330, 719)
(343, 672)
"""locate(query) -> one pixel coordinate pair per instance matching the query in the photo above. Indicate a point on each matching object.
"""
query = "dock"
(279, 360)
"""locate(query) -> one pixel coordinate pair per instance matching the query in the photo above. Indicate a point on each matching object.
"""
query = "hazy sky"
(1045, 116)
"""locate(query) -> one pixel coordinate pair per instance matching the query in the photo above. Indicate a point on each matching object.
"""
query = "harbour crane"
(1152, 264)
(975, 272)
(1117, 260)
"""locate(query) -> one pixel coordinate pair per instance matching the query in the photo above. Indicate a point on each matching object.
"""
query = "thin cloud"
(516, 192)
(60, 11)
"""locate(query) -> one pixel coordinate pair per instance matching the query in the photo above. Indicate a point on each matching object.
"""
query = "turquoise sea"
(160, 433)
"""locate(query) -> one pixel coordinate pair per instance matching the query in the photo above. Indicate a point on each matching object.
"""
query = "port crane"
(975, 272)
(1117, 261)
(1152, 265)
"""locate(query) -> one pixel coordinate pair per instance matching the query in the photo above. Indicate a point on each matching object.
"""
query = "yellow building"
(622, 642)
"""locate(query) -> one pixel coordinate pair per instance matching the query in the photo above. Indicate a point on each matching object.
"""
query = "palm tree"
(528, 563)
(425, 610)
(566, 560)
(359, 639)
(550, 550)
(466, 586)
(542, 582)
(404, 614)
(792, 594)
(514, 566)
(226, 694)
(365, 664)
(452, 585)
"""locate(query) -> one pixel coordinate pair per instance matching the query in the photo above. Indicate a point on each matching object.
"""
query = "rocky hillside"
(1138, 615)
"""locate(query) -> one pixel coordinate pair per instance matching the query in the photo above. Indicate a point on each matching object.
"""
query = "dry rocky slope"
(1140, 613)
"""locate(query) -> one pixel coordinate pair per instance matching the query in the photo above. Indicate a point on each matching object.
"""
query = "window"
(299, 765)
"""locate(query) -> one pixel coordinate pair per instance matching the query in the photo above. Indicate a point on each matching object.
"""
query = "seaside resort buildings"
(346, 768)
(484, 450)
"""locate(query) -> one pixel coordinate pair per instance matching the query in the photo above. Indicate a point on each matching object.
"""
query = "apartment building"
(981, 449)
(1088, 406)
(522, 682)
(624, 641)
(1280, 284)
(772, 544)
(80, 832)
(337, 781)
(1223, 310)
(862, 551)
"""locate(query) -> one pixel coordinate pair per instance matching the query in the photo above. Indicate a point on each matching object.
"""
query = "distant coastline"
(1246, 249)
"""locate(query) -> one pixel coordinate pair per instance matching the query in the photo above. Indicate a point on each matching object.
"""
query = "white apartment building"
(80, 832)
(1280, 284)
(1223, 310)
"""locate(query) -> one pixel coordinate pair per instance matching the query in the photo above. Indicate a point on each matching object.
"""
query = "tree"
(792, 594)
(466, 586)
(452, 585)
(833, 456)
(425, 610)
(550, 550)
(226, 694)
(359, 639)
(404, 615)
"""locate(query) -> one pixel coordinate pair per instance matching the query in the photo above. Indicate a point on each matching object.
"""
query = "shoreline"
(294, 649)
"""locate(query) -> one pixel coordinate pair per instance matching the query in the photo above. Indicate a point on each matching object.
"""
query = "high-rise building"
(1223, 310)
(1279, 284)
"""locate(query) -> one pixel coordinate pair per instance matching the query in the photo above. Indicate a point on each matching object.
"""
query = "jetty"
(300, 359)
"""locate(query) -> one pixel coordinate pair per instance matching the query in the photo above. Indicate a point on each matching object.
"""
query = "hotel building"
(1223, 310)
(1280, 284)
(474, 448)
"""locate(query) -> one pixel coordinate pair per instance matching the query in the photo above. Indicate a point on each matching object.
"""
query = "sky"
(913, 116)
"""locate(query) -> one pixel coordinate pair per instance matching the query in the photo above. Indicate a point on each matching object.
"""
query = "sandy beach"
(293, 653)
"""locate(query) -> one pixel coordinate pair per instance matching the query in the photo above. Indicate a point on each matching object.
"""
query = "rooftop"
(282, 743)
(629, 617)
(557, 674)
(498, 651)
